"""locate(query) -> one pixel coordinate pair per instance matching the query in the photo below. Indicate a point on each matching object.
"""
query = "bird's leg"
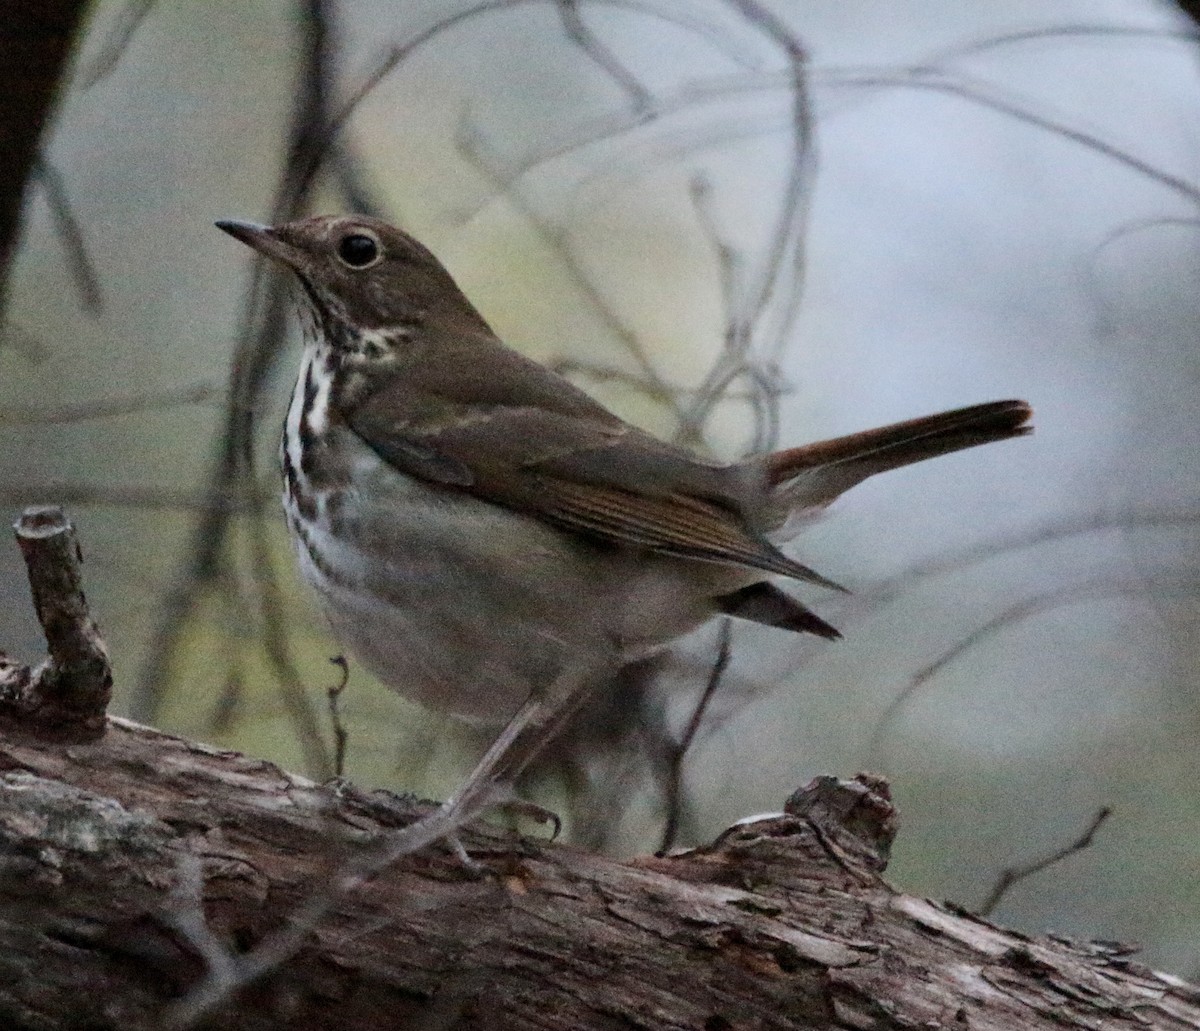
(539, 720)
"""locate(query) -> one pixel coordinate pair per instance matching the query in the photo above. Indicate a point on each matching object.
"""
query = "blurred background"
(739, 223)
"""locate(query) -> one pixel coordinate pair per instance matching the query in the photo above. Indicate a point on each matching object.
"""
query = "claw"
(512, 806)
(457, 849)
(519, 807)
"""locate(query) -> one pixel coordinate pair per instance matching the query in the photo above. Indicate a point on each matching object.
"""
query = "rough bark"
(784, 922)
(65, 697)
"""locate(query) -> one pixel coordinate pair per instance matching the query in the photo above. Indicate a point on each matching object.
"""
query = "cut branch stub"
(64, 697)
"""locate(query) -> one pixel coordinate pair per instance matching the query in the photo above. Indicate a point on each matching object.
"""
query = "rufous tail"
(811, 476)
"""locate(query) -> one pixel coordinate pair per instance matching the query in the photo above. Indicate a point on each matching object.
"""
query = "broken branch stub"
(64, 697)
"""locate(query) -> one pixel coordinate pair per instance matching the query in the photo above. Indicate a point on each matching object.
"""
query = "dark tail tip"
(766, 604)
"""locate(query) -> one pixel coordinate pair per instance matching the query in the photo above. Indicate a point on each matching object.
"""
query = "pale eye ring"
(359, 250)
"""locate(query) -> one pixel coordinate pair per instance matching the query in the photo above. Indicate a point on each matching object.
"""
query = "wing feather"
(577, 467)
(674, 524)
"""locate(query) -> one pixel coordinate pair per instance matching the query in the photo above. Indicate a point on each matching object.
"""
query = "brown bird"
(476, 525)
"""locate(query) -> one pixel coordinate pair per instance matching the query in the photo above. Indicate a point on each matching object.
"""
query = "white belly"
(468, 607)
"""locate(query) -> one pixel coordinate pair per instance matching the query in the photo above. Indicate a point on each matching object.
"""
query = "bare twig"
(868, 599)
(1085, 31)
(936, 60)
(673, 789)
(185, 913)
(66, 696)
(490, 784)
(784, 266)
(1103, 587)
(346, 169)
(649, 380)
(79, 262)
(774, 292)
(395, 56)
(775, 287)
(1105, 316)
(1015, 874)
(107, 408)
(1028, 537)
(116, 43)
(983, 94)
(607, 374)
(275, 642)
(925, 75)
(762, 391)
(147, 498)
(257, 353)
(729, 262)
(577, 32)
(340, 734)
(231, 973)
(228, 699)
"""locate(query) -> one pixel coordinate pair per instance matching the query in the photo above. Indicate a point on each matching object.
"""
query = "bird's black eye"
(358, 250)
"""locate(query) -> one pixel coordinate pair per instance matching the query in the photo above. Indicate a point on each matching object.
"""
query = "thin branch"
(789, 230)
(233, 972)
(780, 279)
(70, 232)
(276, 644)
(394, 57)
(936, 60)
(1100, 588)
(695, 415)
(577, 31)
(346, 169)
(778, 284)
(228, 699)
(607, 374)
(780, 276)
(340, 735)
(607, 127)
(922, 76)
(107, 408)
(124, 27)
(1055, 32)
(185, 913)
(472, 147)
(488, 786)
(1048, 532)
(1105, 316)
(872, 598)
(151, 499)
(677, 753)
(983, 94)
(1013, 875)
(257, 353)
(729, 262)
(37, 41)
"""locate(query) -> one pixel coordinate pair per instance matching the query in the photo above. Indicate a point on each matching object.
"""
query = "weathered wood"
(65, 697)
(783, 923)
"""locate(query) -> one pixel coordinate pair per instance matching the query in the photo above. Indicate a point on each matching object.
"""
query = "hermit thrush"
(475, 524)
